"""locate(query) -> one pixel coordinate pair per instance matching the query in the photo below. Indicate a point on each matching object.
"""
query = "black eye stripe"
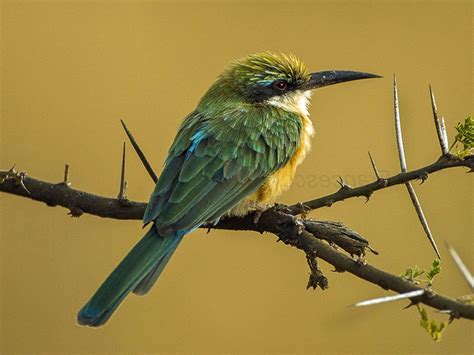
(264, 91)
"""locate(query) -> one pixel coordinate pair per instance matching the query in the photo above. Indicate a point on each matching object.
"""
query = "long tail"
(137, 272)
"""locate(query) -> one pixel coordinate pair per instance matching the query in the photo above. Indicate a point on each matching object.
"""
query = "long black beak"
(331, 77)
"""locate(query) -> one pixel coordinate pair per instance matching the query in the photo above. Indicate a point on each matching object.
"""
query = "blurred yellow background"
(72, 69)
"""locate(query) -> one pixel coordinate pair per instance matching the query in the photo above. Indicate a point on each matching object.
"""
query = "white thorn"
(398, 297)
(462, 267)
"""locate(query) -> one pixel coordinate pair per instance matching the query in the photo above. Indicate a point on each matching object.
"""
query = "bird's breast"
(282, 179)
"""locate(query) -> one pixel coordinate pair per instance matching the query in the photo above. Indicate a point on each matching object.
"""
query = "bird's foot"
(258, 211)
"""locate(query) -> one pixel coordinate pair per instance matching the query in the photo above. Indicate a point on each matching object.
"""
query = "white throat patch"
(297, 102)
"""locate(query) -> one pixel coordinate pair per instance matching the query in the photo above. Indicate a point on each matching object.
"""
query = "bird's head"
(281, 80)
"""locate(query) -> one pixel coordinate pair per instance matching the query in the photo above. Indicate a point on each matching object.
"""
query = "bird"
(238, 150)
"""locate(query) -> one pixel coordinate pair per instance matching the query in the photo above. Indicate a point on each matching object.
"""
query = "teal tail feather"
(137, 272)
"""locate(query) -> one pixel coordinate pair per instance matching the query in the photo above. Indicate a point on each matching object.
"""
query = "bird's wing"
(215, 163)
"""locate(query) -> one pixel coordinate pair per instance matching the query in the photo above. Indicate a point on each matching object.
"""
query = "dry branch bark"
(316, 238)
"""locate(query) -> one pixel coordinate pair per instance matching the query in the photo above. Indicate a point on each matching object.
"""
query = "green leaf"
(435, 330)
(435, 270)
(412, 273)
(464, 137)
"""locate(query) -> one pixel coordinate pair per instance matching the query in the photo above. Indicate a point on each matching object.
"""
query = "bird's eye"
(280, 85)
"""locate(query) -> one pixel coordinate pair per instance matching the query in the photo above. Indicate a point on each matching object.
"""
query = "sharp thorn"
(340, 181)
(22, 183)
(439, 130)
(421, 217)
(398, 128)
(403, 166)
(123, 183)
(461, 266)
(452, 316)
(66, 175)
(343, 184)
(401, 296)
(445, 311)
(423, 178)
(377, 175)
(139, 152)
(411, 304)
(444, 135)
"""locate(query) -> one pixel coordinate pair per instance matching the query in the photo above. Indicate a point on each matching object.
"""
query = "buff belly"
(281, 180)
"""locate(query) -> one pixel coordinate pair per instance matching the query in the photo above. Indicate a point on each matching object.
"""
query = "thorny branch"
(59, 194)
(318, 239)
(315, 238)
(347, 192)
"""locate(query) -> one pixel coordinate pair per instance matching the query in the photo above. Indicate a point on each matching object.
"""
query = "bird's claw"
(256, 216)
(302, 210)
(258, 212)
(360, 261)
(279, 207)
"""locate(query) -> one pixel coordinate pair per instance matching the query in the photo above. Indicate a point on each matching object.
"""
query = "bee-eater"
(237, 150)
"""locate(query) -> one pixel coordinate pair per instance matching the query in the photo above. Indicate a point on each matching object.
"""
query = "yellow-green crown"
(257, 78)
(264, 68)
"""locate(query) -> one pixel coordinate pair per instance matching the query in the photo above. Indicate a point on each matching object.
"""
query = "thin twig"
(139, 152)
(403, 166)
(461, 266)
(442, 137)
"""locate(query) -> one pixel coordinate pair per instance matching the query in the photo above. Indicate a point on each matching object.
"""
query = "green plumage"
(253, 142)
(150, 253)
